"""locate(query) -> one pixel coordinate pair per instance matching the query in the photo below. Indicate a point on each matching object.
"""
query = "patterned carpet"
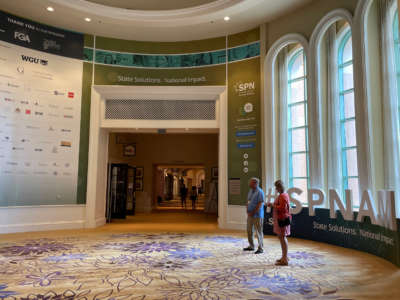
(163, 266)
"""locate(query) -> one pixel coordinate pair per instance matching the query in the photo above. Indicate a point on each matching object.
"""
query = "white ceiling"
(152, 4)
(164, 24)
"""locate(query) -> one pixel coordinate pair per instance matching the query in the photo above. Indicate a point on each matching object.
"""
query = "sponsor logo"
(8, 99)
(38, 150)
(67, 165)
(248, 107)
(18, 148)
(66, 130)
(38, 113)
(245, 88)
(27, 164)
(27, 111)
(54, 115)
(12, 163)
(13, 85)
(24, 141)
(55, 165)
(17, 110)
(24, 102)
(22, 37)
(50, 44)
(34, 60)
(71, 95)
(57, 93)
(32, 127)
(55, 173)
(68, 116)
(65, 144)
(40, 173)
(20, 69)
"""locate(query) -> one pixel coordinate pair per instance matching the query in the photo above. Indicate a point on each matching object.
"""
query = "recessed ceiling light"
(50, 8)
(227, 18)
(88, 19)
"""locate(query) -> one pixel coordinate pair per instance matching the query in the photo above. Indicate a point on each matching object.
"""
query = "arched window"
(397, 54)
(348, 116)
(297, 123)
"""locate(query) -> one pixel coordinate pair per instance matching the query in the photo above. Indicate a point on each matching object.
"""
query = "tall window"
(397, 55)
(297, 123)
(348, 117)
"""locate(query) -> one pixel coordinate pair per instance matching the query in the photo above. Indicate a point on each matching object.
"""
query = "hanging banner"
(40, 109)
(244, 127)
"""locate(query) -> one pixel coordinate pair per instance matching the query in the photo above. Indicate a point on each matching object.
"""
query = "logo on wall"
(20, 69)
(71, 95)
(57, 93)
(34, 60)
(22, 37)
(245, 88)
(50, 44)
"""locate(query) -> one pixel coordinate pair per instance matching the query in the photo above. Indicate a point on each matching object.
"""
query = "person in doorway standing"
(183, 195)
(193, 197)
(282, 219)
(255, 215)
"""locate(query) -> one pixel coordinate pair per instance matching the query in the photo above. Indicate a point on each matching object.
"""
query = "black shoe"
(248, 249)
(259, 251)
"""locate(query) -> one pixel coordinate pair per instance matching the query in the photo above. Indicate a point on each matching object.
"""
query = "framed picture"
(139, 172)
(139, 185)
(214, 172)
(129, 150)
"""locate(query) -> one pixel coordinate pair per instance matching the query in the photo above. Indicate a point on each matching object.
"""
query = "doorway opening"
(163, 173)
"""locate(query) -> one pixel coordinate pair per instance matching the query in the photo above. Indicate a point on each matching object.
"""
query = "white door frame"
(100, 128)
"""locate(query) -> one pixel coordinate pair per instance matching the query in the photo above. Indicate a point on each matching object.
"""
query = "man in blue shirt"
(255, 215)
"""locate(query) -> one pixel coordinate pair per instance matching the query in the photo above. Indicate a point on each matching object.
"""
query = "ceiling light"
(88, 19)
(50, 9)
(227, 18)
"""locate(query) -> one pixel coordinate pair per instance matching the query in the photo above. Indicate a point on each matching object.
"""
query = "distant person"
(193, 197)
(255, 215)
(183, 195)
(282, 219)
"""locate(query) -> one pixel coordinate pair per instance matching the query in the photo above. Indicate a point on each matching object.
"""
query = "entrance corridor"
(176, 255)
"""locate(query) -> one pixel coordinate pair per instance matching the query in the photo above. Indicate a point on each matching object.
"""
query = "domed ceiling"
(154, 20)
(152, 4)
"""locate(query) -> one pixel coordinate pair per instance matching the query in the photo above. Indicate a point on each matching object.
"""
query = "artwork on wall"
(129, 150)
(214, 172)
(139, 172)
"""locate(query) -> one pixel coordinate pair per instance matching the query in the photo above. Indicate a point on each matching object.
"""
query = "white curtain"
(390, 102)
(333, 108)
(283, 119)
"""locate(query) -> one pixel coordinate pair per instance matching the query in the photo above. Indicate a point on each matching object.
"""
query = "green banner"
(112, 75)
(244, 127)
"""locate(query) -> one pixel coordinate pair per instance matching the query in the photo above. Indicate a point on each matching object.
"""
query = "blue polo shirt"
(254, 197)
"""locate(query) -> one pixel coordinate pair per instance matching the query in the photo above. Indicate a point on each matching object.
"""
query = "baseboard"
(45, 226)
(100, 222)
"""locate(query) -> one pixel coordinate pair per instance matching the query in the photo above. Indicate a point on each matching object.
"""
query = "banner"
(244, 127)
(364, 236)
(40, 109)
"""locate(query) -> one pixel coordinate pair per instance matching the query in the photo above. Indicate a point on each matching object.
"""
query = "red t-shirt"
(281, 204)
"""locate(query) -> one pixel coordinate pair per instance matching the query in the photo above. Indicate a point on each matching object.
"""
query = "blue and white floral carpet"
(171, 266)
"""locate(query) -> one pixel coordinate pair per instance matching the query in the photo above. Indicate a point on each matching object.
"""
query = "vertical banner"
(40, 108)
(244, 125)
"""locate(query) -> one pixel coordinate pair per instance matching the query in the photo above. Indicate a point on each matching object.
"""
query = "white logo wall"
(40, 105)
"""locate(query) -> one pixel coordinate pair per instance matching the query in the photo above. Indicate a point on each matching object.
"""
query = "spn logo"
(246, 86)
(35, 60)
(22, 37)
